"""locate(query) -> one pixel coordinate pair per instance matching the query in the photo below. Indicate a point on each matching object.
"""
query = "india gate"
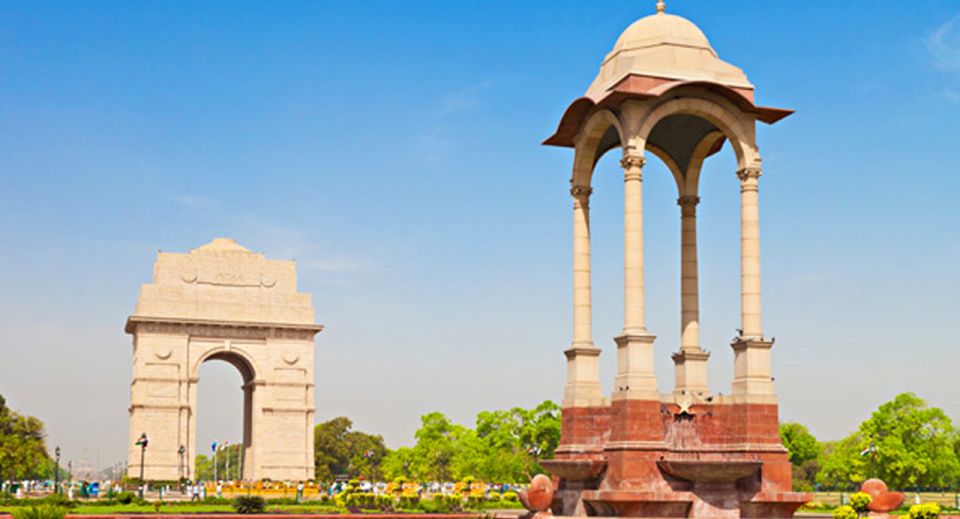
(664, 92)
(223, 302)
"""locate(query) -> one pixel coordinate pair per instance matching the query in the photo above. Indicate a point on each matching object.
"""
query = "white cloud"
(464, 99)
(193, 201)
(944, 45)
(313, 254)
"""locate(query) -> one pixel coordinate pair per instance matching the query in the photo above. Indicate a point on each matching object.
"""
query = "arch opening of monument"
(225, 396)
(223, 302)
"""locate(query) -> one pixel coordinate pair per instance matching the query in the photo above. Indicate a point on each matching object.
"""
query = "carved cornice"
(218, 329)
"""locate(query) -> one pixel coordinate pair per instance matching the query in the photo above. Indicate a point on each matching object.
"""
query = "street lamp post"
(56, 471)
(181, 451)
(142, 442)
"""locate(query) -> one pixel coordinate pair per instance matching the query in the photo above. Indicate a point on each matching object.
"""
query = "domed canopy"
(664, 46)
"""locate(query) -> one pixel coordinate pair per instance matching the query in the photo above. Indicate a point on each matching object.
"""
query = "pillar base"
(751, 365)
(691, 372)
(635, 378)
(583, 376)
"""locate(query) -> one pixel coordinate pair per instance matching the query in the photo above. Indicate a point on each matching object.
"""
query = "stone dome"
(665, 46)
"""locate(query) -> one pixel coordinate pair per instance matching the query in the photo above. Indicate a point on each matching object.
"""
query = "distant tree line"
(906, 443)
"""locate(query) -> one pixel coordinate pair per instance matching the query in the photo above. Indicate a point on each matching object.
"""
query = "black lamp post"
(56, 471)
(181, 451)
(142, 442)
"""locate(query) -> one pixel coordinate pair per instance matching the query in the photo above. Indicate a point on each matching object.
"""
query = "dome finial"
(661, 6)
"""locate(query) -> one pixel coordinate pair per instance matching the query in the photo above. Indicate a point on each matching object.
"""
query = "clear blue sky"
(392, 149)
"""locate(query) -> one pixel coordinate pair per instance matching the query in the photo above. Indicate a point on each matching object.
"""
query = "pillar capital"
(749, 176)
(632, 163)
(688, 204)
(581, 194)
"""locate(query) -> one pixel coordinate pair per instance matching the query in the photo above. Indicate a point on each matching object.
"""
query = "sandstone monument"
(687, 453)
(223, 302)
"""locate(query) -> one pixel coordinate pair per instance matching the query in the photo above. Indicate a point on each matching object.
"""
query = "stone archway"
(223, 302)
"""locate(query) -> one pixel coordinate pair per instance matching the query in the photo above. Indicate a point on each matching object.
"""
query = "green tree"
(804, 450)
(227, 458)
(505, 446)
(904, 442)
(801, 445)
(912, 445)
(339, 450)
(841, 466)
(22, 448)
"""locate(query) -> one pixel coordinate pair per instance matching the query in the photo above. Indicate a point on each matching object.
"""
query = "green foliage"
(40, 512)
(338, 450)
(249, 504)
(924, 511)
(914, 446)
(23, 454)
(859, 501)
(801, 445)
(505, 446)
(510, 497)
(845, 512)
(804, 452)
(125, 498)
(230, 456)
(409, 502)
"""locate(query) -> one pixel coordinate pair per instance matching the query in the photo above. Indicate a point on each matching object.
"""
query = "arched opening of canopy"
(684, 136)
(224, 426)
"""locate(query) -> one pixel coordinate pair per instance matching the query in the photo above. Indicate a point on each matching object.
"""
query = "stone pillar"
(750, 309)
(583, 370)
(691, 360)
(751, 350)
(635, 377)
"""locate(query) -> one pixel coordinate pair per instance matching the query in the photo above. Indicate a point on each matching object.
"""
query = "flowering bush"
(859, 502)
(924, 511)
(845, 512)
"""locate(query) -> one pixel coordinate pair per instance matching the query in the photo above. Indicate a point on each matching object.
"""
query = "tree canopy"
(23, 453)
(338, 450)
(504, 446)
(904, 442)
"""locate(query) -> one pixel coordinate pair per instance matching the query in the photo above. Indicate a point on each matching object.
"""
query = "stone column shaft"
(582, 308)
(634, 320)
(750, 308)
(635, 377)
(583, 368)
(691, 361)
(752, 380)
(689, 277)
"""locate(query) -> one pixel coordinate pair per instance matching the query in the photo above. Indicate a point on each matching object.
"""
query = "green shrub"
(362, 501)
(510, 497)
(859, 501)
(409, 502)
(384, 502)
(249, 504)
(125, 498)
(214, 500)
(40, 512)
(57, 500)
(924, 511)
(845, 512)
(282, 501)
